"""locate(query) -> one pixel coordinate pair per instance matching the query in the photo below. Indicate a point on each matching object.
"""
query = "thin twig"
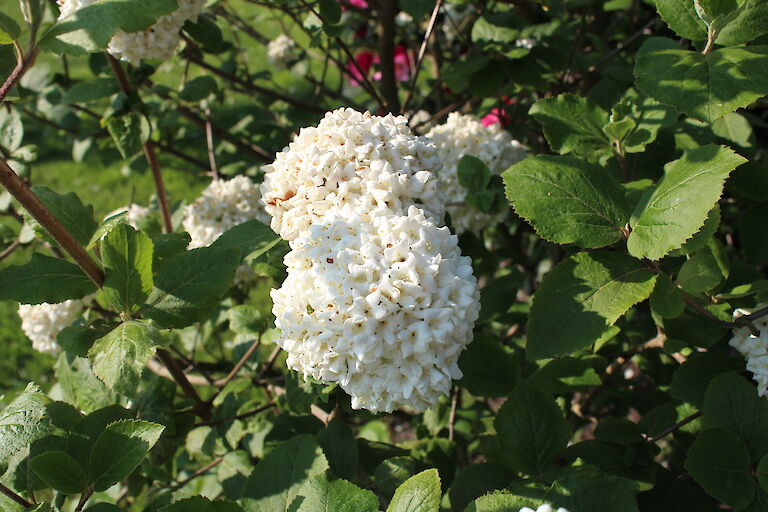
(22, 193)
(422, 52)
(203, 470)
(84, 499)
(624, 45)
(674, 427)
(242, 416)
(251, 350)
(15, 497)
(455, 392)
(9, 250)
(365, 81)
(209, 142)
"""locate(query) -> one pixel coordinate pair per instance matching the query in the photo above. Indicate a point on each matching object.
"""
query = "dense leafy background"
(600, 378)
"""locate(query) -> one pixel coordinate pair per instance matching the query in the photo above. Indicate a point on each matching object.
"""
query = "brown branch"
(21, 67)
(231, 375)
(422, 52)
(202, 408)
(149, 150)
(22, 193)
(84, 499)
(387, 12)
(674, 427)
(631, 39)
(214, 171)
(15, 497)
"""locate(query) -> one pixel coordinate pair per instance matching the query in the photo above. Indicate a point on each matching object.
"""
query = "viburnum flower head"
(465, 135)
(222, 206)
(383, 305)
(364, 162)
(754, 349)
(280, 51)
(543, 508)
(159, 41)
(42, 323)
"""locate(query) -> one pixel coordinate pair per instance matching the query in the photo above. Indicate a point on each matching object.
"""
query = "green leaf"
(618, 431)
(591, 489)
(78, 340)
(79, 385)
(276, 482)
(188, 286)
(323, 494)
(700, 273)
(246, 319)
(473, 173)
(567, 200)
(734, 128)
(94, 89)
(70, 211)
(572, 124)
(105, 227)
(681, 17)
(733, 403)
(91, 27)
(44, 279)
(679, 205)
(127, 258)
(692, 379)
(501, 502)
(475, 481)
(495, 28)
(531, 429)
(199, 88)
(748, 22)
(206, 32)
(129, 132)
(564, 375)
(580, 298)
(649, 116)
(120, 449)
(704, 86)
(702, 236)
(119, 357)
(762, 472)
(9, 29)
(420, 493)
(252, 238)
(666, 299)
(167, 245)
(200, 504)
(489, 367)
(719, 461)
(340, 448)
(330, 11)
(24, 420)
(391, 473)
(60, 471)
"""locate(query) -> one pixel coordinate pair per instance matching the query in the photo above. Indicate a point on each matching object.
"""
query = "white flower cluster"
(754, 349)
(378, 297)
(159, 41)
(543, 508)
(280, 51)
(465, 135)
(42, 323)
(383, 307)
(367, 163)
(222, 206)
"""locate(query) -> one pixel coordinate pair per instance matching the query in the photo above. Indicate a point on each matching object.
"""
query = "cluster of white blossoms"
(357, 160)
(754, 349)
(378, 297)
(465, 135)
(543, 508)
(42, 323)
(159, 41)
(280, 51)
(222, 206)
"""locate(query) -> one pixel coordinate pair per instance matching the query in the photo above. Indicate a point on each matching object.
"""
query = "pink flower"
(496, 115)
(364, 60)
(360, 4)
(402, 65)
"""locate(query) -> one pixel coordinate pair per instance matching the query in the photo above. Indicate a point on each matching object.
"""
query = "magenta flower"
(365, 60)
